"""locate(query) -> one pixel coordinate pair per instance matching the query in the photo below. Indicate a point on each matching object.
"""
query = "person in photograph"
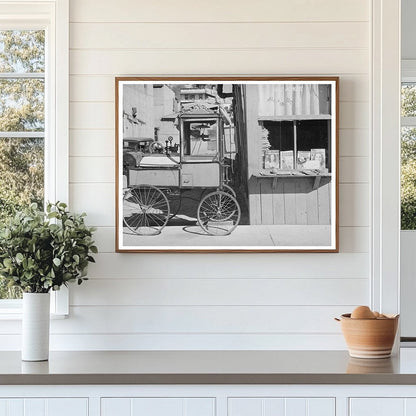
(273, 159)
(319, 157)
(285, 165)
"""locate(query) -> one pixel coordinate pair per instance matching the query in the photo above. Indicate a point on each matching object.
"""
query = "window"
(408, 155)
(22, 124)
(300, 138)
(201, 138)
(295, 122)
(33, 112)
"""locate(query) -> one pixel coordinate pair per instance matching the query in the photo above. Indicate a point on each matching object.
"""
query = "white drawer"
(44, 407)
(159, 406)
(281, 406)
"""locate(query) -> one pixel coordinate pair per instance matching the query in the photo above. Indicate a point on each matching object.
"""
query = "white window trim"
(385, 262)
(52, 15)
(408, 75)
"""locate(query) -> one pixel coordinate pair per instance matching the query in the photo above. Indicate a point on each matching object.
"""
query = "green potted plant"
(40, 252)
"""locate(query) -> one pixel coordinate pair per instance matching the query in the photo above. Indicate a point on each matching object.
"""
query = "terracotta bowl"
(369, 338)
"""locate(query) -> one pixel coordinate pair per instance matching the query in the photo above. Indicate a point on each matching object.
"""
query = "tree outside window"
(22, 124)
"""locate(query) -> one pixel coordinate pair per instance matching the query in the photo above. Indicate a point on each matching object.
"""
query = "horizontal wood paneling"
(95, 143)
(96, 199)
(92, 115)
(354, 205)
(286, 265)
(354, 115)
(146, 342)
(92, 88)
(232, 61)
(105, 239)
(220, 291)
(194, 320)
(354, 169)
(354, 142)
(98, 88)
(287, 296)
(354, 239)
(92, 169)
(201, 319)
(354, 87)
(218, 35)
(218, 11)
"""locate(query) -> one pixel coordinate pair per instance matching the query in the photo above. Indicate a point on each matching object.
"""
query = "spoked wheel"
(218, 213)
(228, 190)
(145, 210)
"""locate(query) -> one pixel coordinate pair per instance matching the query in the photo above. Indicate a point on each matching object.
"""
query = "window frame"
(384, 150)
(187, 141)
(295, 127)
(408, 76)
(53, 17)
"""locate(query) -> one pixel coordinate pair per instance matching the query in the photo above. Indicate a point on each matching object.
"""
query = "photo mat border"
(119, 248)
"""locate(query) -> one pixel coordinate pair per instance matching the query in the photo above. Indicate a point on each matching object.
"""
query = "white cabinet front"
(268, 406)
(382, 406)
(44, 407)
(146, 406)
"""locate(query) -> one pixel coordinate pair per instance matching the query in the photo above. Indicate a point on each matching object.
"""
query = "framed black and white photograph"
(227, 164)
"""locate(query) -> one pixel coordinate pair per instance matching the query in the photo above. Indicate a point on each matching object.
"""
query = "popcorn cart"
(156, 183)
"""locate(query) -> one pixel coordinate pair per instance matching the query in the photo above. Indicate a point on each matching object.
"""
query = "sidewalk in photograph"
(254, 235)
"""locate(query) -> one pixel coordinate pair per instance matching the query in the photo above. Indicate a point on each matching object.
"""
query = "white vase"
(35, 326)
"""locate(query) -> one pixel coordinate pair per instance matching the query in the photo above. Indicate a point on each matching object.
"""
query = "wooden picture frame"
(190, 164)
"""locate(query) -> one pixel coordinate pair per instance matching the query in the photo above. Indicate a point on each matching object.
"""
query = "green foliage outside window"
(408, 160)
(21, 110)
(408, 179)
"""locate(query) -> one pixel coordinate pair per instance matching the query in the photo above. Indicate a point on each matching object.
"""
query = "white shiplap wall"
(218, 301)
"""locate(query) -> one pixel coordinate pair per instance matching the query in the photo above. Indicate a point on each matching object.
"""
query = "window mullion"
(22, 134)
(408, 121)
(22, 75)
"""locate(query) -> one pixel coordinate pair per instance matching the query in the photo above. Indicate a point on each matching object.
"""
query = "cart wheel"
(227, 189)
(145, 210)
(218, 213)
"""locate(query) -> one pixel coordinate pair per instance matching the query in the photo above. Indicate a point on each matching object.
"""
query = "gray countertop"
(208, 367)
